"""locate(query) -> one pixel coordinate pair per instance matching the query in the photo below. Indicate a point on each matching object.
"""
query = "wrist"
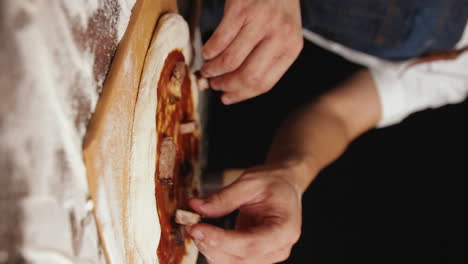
(298, 171)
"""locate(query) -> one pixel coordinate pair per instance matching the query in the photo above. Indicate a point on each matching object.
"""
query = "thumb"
(227, 200)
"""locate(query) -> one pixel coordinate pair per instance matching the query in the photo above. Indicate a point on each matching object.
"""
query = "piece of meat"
(202, 82)
(187, 127)
(167, 157)
(183, 217)
(177, 78)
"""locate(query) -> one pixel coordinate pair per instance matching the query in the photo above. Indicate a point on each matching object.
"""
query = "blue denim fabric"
(211, 15)
(390, 29)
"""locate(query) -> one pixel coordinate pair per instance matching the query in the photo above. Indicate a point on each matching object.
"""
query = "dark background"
(398, 194)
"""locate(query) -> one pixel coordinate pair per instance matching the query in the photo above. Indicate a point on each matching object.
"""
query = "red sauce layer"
(173, 196)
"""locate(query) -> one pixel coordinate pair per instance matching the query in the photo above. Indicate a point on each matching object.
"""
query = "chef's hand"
(268, 224)
(253, 46)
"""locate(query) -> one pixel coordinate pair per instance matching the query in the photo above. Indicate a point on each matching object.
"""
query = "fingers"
(268, 224)
(259, 72)
(253, 47)
(226, 31)
(237, 246)
(214, 256)
(227, 200)
(234, 55)
(219, 239)
(249, 80)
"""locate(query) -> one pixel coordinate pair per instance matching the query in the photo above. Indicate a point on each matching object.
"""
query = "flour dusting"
(54, 57)
(126, 7)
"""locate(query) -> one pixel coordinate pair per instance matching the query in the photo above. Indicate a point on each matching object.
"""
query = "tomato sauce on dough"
(174, 195)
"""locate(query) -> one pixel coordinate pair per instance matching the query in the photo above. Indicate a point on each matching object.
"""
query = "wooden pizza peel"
(107, 146)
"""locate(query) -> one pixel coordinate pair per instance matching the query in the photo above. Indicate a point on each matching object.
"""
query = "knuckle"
(217, 39)
(287, 28)
(253, 249)
(299, 44)
(251, 79)
(245, 79)
(230, 61)
(290, 30)
(287, 25)
(296, 41)
(243, 12)
(293, 47)
(220, 39)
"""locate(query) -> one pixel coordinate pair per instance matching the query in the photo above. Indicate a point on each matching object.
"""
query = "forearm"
(320, 132)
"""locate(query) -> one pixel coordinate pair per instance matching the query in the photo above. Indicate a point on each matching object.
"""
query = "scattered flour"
(126, 7)
(82, 10)
(109, 220)
(51, 72)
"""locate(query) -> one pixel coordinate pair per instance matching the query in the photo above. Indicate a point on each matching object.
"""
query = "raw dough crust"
(107, 147)
(172, 33)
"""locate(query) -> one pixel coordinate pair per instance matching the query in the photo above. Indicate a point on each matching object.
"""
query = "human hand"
(268, 224)
(253, 46)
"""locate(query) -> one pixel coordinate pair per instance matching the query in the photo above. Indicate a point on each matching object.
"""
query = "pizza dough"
(126, 214)
(142, 221)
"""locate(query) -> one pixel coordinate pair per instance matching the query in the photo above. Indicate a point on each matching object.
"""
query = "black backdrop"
(398, 195)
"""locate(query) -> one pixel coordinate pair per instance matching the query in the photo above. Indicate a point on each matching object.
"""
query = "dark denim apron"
(390, 29)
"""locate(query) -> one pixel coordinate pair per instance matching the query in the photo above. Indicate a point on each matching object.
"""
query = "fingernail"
(198, 235)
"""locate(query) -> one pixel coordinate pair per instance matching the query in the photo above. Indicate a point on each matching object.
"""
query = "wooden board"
(107, 143)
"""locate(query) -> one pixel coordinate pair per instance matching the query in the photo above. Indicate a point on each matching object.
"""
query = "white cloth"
(405, 89)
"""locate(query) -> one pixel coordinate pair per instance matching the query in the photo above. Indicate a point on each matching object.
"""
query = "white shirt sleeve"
(405, 89)
(429, 85)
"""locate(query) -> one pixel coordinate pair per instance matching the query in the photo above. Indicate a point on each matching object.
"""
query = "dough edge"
(143, 227)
